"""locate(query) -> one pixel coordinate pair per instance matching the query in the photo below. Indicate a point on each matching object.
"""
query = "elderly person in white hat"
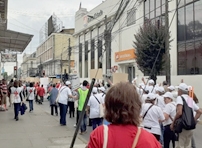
(152, 115)
(172, 90)
(184, 139)
(63, 95)
(169, 112)
(160, 100)
(94, 108)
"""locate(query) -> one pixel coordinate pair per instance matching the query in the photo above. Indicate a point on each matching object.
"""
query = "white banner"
(75, 81)
(8, 57)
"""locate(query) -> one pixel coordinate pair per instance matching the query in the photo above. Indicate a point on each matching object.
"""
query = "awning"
(14, 41)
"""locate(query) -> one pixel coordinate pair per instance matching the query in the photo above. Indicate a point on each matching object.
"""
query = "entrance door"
(131, 73)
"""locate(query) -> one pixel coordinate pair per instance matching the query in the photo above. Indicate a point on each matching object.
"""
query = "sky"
(29, 16)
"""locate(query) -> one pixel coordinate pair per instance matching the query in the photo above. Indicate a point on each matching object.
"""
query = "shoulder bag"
(106, 137)
(57, 99)
(101, 108)
(147, 111)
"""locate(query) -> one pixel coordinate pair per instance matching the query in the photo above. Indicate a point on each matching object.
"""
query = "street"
(41, 130)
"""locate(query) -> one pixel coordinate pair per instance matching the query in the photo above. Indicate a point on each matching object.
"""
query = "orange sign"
(125, 55)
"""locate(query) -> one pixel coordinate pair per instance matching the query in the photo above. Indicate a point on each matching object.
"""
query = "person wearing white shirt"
(16, 91)
(102, 93)
(169, 113)
(94, 106)
(160, 100)
(184, 138)
(31, 95)
(64, 94)
(174, 93)
(152, 115)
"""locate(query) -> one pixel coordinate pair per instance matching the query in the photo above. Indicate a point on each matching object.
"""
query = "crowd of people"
(122, 115)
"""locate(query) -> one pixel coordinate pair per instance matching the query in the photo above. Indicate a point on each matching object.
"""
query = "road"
(71, 122)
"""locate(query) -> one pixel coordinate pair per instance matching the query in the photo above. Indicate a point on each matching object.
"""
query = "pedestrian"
(94, 107)
(16, 90)
(71, 105)
(82, 93)
(122, 109)
(53, 96)
(152, 116)
(4, 94)
(184, 138)
(41, 93)
(31, 94)
(169, 113)
(64, 94)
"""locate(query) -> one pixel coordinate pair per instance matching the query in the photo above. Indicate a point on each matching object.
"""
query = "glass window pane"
(191, 63)
(147, 7)
(198, 20)
(189, 22)
(198, 48)
(181, 59)
(152, 9)
(181, 3)
(181, 25)
(163, 6)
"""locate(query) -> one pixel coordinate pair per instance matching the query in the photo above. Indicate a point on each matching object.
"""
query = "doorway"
(131, 73)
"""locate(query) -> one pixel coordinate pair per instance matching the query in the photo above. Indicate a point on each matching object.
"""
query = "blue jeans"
(63, 112)
(83, 122)
(96, 122)
(162, 133)
(31, 105)
(16, 109)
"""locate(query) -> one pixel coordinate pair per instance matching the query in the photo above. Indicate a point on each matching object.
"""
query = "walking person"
(53, 96)
(16, 90)
(31, 94)
(94, 107)
(169, 113)
(64, 94)
(71, 105)
(4, 94)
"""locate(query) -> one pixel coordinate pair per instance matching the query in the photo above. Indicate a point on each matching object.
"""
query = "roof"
(15, 41)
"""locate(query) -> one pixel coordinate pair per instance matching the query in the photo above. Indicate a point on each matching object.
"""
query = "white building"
(185, 27)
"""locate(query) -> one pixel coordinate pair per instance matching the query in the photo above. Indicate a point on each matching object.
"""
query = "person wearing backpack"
(185, 108)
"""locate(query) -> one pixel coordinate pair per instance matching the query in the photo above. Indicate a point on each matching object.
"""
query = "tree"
(150, 48)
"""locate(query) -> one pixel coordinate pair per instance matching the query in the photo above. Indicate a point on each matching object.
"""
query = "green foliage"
(148, 42)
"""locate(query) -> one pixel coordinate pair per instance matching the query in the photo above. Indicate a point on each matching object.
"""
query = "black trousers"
(71, 108)
(168, 136)
(77, 116)
(52, 109)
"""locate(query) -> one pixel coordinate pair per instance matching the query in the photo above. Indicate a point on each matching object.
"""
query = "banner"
(96, 73)
(8, 57)
(120, 77)
(75, 81)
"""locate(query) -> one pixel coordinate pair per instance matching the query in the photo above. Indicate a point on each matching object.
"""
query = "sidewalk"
(35, 130)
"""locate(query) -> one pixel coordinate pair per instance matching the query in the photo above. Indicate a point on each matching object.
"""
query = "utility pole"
(69, 55)
(61, 65)
(168, 79)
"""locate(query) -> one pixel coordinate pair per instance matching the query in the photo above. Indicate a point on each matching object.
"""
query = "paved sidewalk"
(35, 130)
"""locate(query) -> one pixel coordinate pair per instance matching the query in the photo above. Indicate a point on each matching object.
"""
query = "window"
(189, 38)
(80, 59)
(131, 16)
(31, 64)
(92, 54)
(100, 53)
(86, 59)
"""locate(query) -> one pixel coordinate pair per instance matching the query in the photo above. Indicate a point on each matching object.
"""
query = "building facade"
(29, 66)
(52, 54)
(185, 25)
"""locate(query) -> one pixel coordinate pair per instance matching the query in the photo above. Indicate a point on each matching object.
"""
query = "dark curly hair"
(123, 105)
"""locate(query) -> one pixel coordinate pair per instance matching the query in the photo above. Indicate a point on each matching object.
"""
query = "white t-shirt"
(189, 100)
(102, 96)
(152, 118)
(95, 106)
(144, 97)
(160, 102)
(64, 91)
(16, 94)
(169, 109)
(30, 91)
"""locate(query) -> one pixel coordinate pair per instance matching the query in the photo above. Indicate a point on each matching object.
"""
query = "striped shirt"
(4, 89)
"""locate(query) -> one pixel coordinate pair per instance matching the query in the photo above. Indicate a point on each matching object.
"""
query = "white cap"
(151, 81)
(94, 90)
(183, 86)
(67, 82)
(151, 96)
(160, 89)
(168, 95)
(171, 87)
(101, 89)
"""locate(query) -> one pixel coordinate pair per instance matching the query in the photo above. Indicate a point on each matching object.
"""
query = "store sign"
(125, 55)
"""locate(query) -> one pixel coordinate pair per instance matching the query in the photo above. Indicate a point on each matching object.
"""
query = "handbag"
(186, 121)
(147, 111)
(101, 108)
(134, 142)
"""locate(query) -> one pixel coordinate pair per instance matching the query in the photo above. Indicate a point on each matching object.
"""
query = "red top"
(41, 91)
(120, 136)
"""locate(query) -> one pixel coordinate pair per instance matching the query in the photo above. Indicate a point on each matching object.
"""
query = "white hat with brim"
(151, 81)
(94, 90)
(168, 95)
(171, 87)
(160, 89)
(151, 96)
(67, 82)
(101, 89)
(183, 87)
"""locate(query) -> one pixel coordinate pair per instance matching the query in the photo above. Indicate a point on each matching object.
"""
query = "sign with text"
(96, 73)
(8, 57)
(125, 55)
(75, 81)
(120, 77)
